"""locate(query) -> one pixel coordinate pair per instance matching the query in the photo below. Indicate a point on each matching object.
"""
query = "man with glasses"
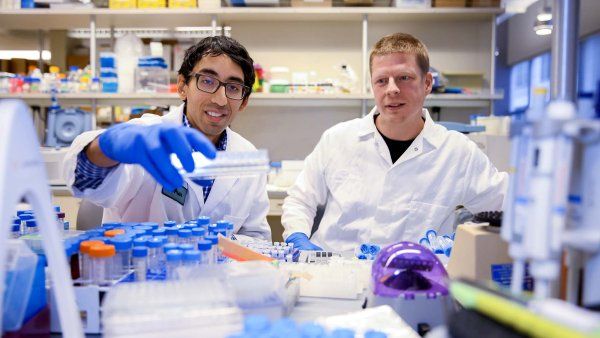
(127, 169)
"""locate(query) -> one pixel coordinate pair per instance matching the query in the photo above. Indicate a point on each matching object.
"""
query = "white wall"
(291, 132)
(524, 43)
(19, 40)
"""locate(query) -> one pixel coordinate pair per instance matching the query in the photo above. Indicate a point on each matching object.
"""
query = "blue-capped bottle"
(140, 262)
(154, 255)
(191, 257)
(204, 247)
(173, 262)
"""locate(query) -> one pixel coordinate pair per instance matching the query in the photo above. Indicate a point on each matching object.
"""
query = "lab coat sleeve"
(256, 225)
(485, 186)
(308, 192)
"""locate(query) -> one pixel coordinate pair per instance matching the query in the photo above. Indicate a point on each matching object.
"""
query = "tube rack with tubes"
(277, 250)
(185, 307)
(226, 164)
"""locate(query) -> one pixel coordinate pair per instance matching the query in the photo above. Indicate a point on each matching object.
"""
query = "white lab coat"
(370, 200)
(130, 194)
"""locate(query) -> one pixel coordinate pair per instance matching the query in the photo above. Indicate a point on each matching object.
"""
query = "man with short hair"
(393, 174)
(127, 169)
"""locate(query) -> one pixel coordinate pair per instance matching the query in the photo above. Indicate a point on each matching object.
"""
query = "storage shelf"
(169, 18)
(257, 99)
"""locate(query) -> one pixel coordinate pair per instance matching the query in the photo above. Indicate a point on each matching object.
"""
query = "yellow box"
(182, 3)
(152, 3)
(120, 4)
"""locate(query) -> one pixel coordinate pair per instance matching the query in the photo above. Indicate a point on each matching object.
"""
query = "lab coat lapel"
(222, 185)
(220, 188)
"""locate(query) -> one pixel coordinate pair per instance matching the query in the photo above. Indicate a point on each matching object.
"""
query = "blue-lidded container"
(159, 232)
(146, 228)
(171, 233)
(185, 235)
(154, 243)
(184, 247)
(191, 257)
(169, 223)
(198, 234)
(170, 246)
(153, 225)
(256, 324)
(122, 260)
(213, 229)
(203, 220)
(173, 261)
(137, 233)
(140, 262)
(138, 242)
(111, 225)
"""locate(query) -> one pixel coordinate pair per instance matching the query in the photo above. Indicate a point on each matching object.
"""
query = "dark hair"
(215, 46)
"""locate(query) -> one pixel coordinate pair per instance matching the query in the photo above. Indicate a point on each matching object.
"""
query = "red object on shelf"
(37, 327)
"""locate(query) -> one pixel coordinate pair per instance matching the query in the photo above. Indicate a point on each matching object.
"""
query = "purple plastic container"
(405, 269)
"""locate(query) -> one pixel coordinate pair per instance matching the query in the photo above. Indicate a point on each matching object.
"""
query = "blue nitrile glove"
(301, 242)
(151, 147)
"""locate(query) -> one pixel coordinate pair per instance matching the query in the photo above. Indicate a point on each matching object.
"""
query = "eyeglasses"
(209, 84)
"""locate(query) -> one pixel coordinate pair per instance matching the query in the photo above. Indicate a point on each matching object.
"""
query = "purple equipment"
(410, 279)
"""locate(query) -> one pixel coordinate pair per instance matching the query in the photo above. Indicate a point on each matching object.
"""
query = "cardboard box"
(484, 3)
(358, 2)
(449, 3)
(311, 3)
(478, 249)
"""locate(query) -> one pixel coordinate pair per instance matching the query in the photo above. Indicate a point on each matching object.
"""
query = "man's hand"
(150, 147)
(301, 242)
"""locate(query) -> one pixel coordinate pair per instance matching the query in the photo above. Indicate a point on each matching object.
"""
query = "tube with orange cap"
(84, 261)
(102, 257)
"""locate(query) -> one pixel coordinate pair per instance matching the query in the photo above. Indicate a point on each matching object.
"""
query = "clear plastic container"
(154, 255)
(151, 79)
(185, 236)
(102, 257)
(15, 230)
(122, 263)
(31, 226)
(140, 241)
(170, 246)
(24, 217)
(85, 265)
(140, 262)
(61, 221)
(204, 247)
(171, 233)
(191, 257)
(186, 247)
(198, 234)
(226, 164)
(173, 262)
(213, 255)
(213, 229)
(21, 263)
